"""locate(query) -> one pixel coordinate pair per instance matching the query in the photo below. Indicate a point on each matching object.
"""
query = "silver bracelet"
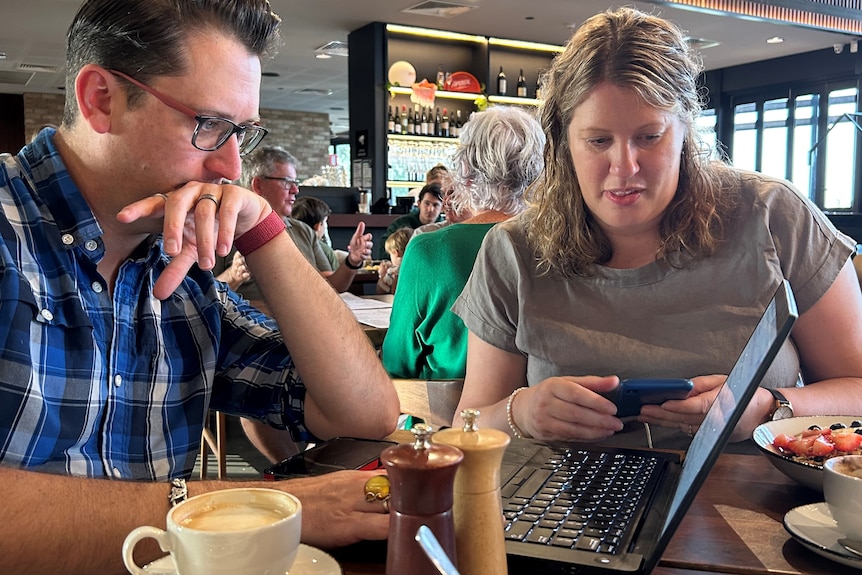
(516, 431)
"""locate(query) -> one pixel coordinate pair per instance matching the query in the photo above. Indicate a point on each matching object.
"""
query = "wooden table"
(733, 527)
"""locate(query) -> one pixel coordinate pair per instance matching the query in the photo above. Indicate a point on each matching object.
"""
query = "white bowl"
(808, 474)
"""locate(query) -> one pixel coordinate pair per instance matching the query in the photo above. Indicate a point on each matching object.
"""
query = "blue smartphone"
(632, 394)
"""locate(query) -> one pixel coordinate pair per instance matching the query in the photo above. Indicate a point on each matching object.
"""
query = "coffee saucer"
(309, 561)
(813, 526)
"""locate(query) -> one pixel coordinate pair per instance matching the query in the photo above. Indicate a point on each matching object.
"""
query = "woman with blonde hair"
(641, 256)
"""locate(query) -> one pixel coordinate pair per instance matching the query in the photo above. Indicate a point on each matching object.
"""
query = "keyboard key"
(587, 543)
(562, 542)
(518, 530)
(540, 535)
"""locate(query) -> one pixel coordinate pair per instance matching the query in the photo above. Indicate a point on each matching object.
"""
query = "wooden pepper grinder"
(421, 476)
(478, 511)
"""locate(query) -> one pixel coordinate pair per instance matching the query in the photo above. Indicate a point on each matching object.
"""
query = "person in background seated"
(314, 213)
(271, 173)
(499, 155)
(450, 214)
(430, 204)
(642, 256)
(388, 272)
(116, 340)
(437, 173)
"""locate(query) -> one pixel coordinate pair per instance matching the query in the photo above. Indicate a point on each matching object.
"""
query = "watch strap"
(264, 231)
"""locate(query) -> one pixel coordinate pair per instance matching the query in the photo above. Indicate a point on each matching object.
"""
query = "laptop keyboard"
(579, 499)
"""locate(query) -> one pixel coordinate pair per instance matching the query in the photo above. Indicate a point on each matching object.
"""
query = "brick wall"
(41, 109)
(304, 134)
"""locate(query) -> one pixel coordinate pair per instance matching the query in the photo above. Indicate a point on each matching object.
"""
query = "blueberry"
(814, 427)
(856, 423)
(837, 426)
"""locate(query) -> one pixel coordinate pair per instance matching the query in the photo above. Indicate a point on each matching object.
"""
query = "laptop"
(563, 520)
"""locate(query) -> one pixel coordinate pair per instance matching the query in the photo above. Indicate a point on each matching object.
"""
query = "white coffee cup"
(246, 531)
(842, 487)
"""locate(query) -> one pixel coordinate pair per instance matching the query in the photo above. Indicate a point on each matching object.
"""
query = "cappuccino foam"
(234, 517)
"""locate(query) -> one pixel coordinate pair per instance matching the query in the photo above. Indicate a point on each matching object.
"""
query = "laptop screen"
(742, 382)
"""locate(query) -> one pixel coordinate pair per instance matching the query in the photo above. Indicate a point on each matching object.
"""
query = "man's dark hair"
(310, 210)
(432, 188)
(147, 38)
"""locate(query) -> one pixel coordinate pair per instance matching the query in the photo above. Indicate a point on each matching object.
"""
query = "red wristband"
(265, 230)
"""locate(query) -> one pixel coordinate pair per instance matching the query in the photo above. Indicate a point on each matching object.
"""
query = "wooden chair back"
(435, 401)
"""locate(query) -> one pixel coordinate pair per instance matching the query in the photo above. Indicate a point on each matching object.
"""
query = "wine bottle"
(424, 129)
(441, 77)
(411, 123)
(456, 132)
(444, 125)
(501, 82)
(539, 86)
(390, 125)
(396, 129)
(437, 123)
(522, 85)
(404, 119)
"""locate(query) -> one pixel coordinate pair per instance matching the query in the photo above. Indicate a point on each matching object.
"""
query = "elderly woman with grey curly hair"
(498, 157)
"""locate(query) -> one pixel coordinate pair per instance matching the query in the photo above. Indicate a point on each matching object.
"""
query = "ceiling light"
(2, 55)
(775, 40)
(322, 56)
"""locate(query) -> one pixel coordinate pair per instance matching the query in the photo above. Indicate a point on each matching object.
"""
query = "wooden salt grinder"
(477, 507)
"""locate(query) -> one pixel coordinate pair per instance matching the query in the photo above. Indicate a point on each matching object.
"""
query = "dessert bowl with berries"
(798, 446)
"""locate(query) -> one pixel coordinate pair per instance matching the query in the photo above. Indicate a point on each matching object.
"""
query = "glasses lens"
(211, 133)
(250, 138)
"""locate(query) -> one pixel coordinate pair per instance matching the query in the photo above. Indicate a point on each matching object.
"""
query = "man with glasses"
(115, 339)
(271, 172)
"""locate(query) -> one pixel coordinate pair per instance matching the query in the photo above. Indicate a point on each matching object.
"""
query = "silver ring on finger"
(161, 195)
(210, 197)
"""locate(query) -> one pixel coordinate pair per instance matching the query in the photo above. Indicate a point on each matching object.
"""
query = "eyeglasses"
(287, 182)
(211, 132)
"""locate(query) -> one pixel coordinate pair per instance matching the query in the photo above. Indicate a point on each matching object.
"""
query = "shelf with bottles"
(415, 122)
(530, 59)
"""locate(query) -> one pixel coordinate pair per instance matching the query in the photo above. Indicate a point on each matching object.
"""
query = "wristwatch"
(179, 492)
(781, 409)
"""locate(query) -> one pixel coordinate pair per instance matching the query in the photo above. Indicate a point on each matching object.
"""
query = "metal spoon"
(426, 539)
(851, 545)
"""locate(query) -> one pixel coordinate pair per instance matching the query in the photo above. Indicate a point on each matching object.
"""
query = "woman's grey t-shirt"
(656, 320)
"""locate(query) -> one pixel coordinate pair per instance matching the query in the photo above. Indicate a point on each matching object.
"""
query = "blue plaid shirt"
(101, 386)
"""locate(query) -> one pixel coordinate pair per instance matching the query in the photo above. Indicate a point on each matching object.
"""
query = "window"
(783, 137)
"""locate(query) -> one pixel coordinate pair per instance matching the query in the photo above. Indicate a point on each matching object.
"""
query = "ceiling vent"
(439, 9)
(701, 43)
(38, 68)
(16, 78)
(313, 91)
(334, 48)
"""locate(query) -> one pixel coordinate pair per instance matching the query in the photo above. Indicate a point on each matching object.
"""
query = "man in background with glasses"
(115, 339)
(271, 172)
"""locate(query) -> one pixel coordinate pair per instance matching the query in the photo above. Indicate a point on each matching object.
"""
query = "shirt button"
(117, 473)
(91, 245)
(68, 239)
(97, 287)
(46, 313)
(118, 380)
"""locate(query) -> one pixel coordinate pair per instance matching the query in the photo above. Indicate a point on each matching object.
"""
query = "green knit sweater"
(425, 339)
